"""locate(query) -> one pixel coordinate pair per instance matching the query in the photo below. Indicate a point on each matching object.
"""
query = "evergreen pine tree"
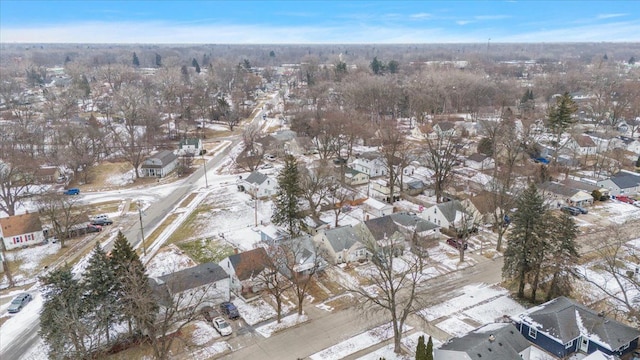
(100, 285)
(562, 255)
(560, 119)
(393, 66)
(195, 64)
(133, 288)
(67, 60)
(527, 232)
(62, 324)
(421, 349)
(272, 53)
(158, 60)
(429, 349)
(632, 60)
(136, 61)
(285, 206)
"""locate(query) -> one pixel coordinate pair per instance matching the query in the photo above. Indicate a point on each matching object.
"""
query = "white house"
(622, 183)
(246, 269)
(479, 162)
(370, 164)
(159, 164)
(582, 145)
(201, 285)
(192, 146)
(557, 195)
(381, 190)
(450, 214)
(342, 244)
(376, 208)
(354, 177)
(259, 185)
(21, 230)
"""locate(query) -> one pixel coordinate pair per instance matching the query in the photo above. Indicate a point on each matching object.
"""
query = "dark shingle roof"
(477, 157)
(20, 224)
(565, 320)
(506, 343)
(557, 188)
(250, 263)
(382, 227)
(626, 180)
(413, 221)
(256, 177)
(450, 208)
(193, 277)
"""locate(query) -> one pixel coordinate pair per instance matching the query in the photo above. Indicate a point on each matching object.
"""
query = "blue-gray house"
(563, 327)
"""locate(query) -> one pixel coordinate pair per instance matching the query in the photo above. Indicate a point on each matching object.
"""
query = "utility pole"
(255, 211)
(204, 164)
(144, 248)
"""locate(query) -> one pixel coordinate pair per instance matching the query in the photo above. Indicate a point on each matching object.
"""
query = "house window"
(533, 333)
(624, 347)
(568, 345)
(435, 211)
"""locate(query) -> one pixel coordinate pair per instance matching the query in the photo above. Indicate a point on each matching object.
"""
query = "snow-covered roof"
(493, 341)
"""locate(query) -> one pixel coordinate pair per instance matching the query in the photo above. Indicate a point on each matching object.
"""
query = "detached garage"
(160, 164)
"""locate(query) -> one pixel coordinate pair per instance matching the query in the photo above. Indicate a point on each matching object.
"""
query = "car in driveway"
(625, 199)
(457, 243)
(209, 313)
(231, 311)
(101, 222)
(93, 228)
(582, 210)
(570, 210)
(222, 326)
(19, 302)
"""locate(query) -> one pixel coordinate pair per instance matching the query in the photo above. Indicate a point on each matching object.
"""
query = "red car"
(625, 199)
(457, 243)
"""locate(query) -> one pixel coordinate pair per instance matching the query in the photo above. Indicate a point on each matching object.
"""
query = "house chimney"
(492, 338)
(235, 250)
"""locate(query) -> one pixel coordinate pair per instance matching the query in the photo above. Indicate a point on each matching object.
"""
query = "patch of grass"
(341, 302)
(4, 319)
(187, 201)
(206, 250)
(187, 229)
(103, 207)
(148, 241)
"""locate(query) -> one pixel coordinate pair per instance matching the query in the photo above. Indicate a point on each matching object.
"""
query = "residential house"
(342, 245)
(259, 185)
(301, 145)
(557, 195)
(381, 190)
(413, 186)
(159, 164)
(191, 146)
(376, 208)
(411, 224)
(450, 215)
(308, 257)
(479, 162)
(354, 177)
(47, 175)
(201, 285)
(631, 144)
(582, 145)
(622, 183)
(371, 164)
(563, 327)
(21, 230)
(498, 341)
(485, 204)
(245, 269)
(442, 129)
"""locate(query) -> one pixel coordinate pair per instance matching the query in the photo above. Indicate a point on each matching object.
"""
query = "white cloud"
(610, 16)
(420, 16)
(349, 32)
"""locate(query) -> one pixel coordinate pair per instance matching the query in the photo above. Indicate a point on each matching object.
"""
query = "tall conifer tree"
(285, 207)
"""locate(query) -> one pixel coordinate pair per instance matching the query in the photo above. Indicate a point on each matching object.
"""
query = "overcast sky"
(286, 22)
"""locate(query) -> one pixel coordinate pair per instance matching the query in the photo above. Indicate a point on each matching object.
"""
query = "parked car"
(582, 210)
(72, 191)
(625, 199)
(570, 210)
(457, 243)
(227, 308)
(101, 217)
(339, 161)
(222, 326)
(269, 157)
(93, 228)
(266, 166)
(101, 222)
(19, 302)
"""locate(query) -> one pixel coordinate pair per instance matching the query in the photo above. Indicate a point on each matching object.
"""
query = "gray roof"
(284, 135)
(382, 227)
(190, 141)
(449, 209)
(165, 157)
(412, 220)
(256, 177)
(193, 277)
(341, 238)
(477, 157)
(557, 188)
(625, 180)
(445, 125)
(478, 344)
(415, 184)
(565, 319)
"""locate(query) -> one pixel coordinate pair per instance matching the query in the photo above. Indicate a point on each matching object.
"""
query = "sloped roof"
(500, 341)
(190, 141)
(565, 320)
(445, 125)
(585, 141)
(193, 277)
(450, 208)
(20, 224)
(557, 188)
(477, 157)
(341, 238)
(250, 263)
(382, 227)
(165, 157)
(256, 177)
(413, 221)
(625, 180)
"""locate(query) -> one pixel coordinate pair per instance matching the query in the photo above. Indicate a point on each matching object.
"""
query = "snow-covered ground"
(471, 296)
(170, 259)
(29, 315)
(286, 322)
